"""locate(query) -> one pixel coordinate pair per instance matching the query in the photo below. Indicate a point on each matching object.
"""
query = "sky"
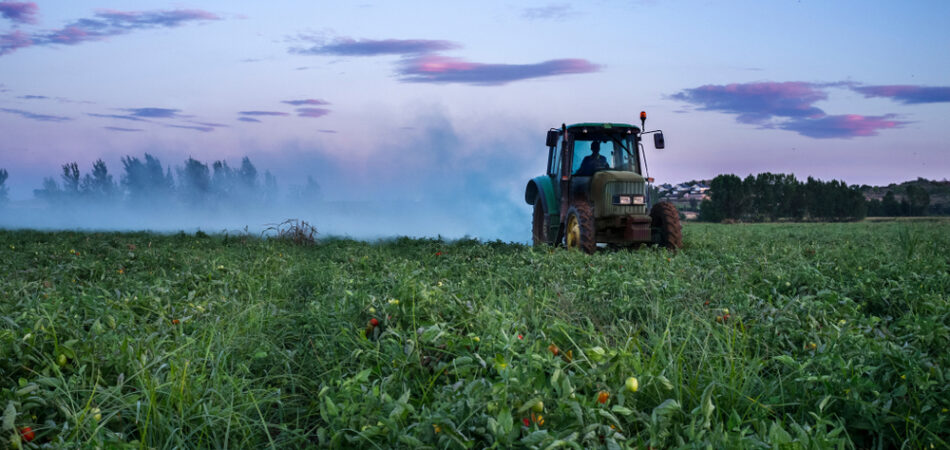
(447, 103)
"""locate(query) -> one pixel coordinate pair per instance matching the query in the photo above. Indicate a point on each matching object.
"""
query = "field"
(753, 336)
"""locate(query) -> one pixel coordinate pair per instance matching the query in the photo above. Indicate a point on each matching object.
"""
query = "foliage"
(771, 197)
(764, 336)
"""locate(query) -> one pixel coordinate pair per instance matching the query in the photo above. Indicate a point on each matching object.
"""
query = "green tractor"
(596, 190)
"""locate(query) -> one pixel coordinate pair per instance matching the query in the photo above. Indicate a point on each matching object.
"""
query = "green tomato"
(538, 407)
(632, 384)
(61, 360)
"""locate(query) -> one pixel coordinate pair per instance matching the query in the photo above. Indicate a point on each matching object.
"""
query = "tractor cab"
(595, 189)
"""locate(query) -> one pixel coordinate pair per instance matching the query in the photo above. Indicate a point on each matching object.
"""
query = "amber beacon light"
(643, 119)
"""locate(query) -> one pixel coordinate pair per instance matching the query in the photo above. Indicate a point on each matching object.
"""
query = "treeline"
(916, 202)
(771, 197)
(146, 182)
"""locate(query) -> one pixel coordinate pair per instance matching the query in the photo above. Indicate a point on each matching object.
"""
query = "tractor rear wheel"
(579, 232)
(539, 224)
(666, 219)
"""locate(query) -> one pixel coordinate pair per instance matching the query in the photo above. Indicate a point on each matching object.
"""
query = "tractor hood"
(603, 177)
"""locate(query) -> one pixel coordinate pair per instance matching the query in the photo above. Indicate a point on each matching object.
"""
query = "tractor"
(596, 190)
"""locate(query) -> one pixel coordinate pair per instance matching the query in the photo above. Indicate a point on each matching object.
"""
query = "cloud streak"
(124, 130)
(550, 12)
(308, 102)
(443, 69)
(19, 12)
(422, 63)
(192, 127)
(906, 94)
(154, 113)
(263, 113)
(842, 126)
(103, 24)
(786, 106)
(312, 112)
(35, 116)
(370, 47)
(118, 116)
(756, 103)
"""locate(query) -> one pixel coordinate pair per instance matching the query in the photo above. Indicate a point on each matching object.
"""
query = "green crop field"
(753, 336)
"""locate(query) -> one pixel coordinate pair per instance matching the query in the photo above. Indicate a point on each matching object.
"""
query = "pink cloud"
(758, 102)
(444, 69)
(10, 42)
(843, 126)
(71, 36)
(20, 12)
(907, 94)
(103, 24)
(788, 106)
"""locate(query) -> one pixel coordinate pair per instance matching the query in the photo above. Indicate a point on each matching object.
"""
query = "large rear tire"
(579, 232)
(539, 224)
(666, 219)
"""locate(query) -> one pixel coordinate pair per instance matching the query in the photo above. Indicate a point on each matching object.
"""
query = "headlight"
(629, 200)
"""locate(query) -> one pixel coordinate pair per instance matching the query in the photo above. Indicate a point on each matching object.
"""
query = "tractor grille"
(606, 206)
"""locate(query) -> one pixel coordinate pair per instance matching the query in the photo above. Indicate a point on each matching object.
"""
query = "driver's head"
(595, 146)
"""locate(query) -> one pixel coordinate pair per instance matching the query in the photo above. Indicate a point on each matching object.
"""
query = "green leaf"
(787, 360)
(9, 416)
(536, 438)
(778, 435)
(667, 408)
(607, 415)
(665, 382)
(622, 410)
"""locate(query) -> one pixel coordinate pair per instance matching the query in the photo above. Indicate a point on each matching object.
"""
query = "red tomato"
(602, 397)
(373, 322)
(27, 434)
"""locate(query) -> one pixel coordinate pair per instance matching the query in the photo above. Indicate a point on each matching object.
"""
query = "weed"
(296, 231)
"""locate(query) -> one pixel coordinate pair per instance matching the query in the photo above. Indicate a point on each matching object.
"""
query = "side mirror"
(552, 139)
(658, 140)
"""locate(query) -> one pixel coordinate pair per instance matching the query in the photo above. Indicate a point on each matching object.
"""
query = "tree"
(3, 187)
(247, 177)
(146, 181)
(99, 186)
(71, 180)
(222, 181)
(50, 192)
(270, 187)
(890, 206)
(195, 182)
(918, 200)
(727, 199)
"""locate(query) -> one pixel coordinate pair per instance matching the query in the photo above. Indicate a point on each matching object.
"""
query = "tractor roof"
(604, 125)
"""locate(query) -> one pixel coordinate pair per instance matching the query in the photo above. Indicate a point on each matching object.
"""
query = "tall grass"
(798, 335)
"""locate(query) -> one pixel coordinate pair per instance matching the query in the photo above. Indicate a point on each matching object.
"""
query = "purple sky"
(421, 99)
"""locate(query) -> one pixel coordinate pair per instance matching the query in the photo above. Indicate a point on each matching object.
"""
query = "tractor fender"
(541, 186)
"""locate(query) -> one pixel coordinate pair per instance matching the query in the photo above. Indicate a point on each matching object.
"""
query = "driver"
(592, 162)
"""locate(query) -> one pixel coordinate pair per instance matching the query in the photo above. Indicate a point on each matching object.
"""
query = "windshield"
(611, 155)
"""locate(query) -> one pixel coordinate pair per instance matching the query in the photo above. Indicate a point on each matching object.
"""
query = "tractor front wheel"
(579, 232)
(666, 220)
(539, 224)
